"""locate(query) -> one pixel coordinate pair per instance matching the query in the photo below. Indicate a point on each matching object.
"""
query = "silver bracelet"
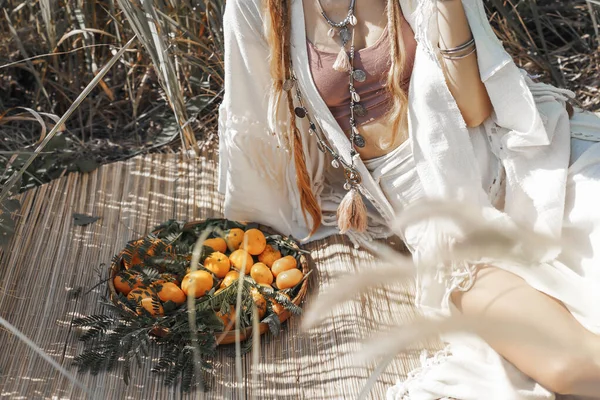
(458, 49)
(453, 57)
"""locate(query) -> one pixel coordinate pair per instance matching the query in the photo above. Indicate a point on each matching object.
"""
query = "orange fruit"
(241, 260)
(269, 256)
(230, 278)
(136, 259)
(217, 244)
(254, 242)
(197, 283)
(148, 304)
(171, 292)
(227, 318)
(283, 264)
(141, 293)
(218, 264)
(289, 279)
(234, 238)
(261, 273)
(125, 282)
(261, 303)
(277, 307)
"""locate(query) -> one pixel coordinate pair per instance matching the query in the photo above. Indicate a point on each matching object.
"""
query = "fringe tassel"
(352, 213)
(342, 63)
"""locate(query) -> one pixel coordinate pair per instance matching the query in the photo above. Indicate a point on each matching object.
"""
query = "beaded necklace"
(345, 63)
(351, 213)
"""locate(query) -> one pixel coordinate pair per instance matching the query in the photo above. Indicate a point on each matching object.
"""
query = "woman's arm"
(462, 75)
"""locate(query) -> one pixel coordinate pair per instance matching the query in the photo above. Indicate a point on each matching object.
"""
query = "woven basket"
(222, 337)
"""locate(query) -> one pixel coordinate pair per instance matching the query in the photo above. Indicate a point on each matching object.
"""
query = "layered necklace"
(345, 63)
(352, 212)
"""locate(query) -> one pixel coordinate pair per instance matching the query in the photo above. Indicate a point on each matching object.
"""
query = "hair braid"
(279, 39)
(398, 112)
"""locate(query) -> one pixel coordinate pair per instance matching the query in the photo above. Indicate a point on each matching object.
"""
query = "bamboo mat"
(50, 261)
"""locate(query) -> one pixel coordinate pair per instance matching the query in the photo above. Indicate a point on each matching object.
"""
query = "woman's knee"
(565, 373)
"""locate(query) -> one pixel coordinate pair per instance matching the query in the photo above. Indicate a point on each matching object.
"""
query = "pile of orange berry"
(237, 252)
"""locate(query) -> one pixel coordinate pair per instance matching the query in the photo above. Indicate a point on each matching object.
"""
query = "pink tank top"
(375, 62)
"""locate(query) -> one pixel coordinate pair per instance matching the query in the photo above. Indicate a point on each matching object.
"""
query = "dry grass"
(556, 39)
(168, 84)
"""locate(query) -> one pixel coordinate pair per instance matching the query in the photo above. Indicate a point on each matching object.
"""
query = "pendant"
(359, 141)
(321, 146)
(359, 75)
(335, 163)
(300, 112)
(353, 20)
(345, 35)
(355, 97)
(331, 33)
(359, 110)
(288, 85)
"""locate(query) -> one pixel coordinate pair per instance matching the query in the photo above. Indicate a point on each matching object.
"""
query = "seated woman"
(339, 114)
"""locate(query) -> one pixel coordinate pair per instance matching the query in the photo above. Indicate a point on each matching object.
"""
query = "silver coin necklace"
(351, 212)
(345, 63)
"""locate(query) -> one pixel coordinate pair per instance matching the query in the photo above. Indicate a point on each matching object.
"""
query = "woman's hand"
(462, 75)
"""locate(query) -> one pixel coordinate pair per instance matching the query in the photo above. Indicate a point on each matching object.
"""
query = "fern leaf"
(274, 324)
(287, 304)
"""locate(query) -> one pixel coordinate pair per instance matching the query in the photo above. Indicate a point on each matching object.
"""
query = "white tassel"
(352, 213)
(342, 63)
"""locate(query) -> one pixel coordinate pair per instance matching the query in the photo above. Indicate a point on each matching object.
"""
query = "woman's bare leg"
(500, 294)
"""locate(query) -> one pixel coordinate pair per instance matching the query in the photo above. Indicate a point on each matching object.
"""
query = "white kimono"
(528, 136)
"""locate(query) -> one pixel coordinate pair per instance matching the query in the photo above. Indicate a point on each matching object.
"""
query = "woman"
(340, 114)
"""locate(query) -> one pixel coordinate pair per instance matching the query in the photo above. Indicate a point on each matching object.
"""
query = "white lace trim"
(401, 391)
(458, 277)
(425, 13)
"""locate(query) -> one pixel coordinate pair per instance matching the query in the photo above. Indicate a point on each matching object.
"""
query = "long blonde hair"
(279, 23)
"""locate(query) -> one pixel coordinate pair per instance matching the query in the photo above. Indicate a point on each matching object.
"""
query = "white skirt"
(469, 369)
